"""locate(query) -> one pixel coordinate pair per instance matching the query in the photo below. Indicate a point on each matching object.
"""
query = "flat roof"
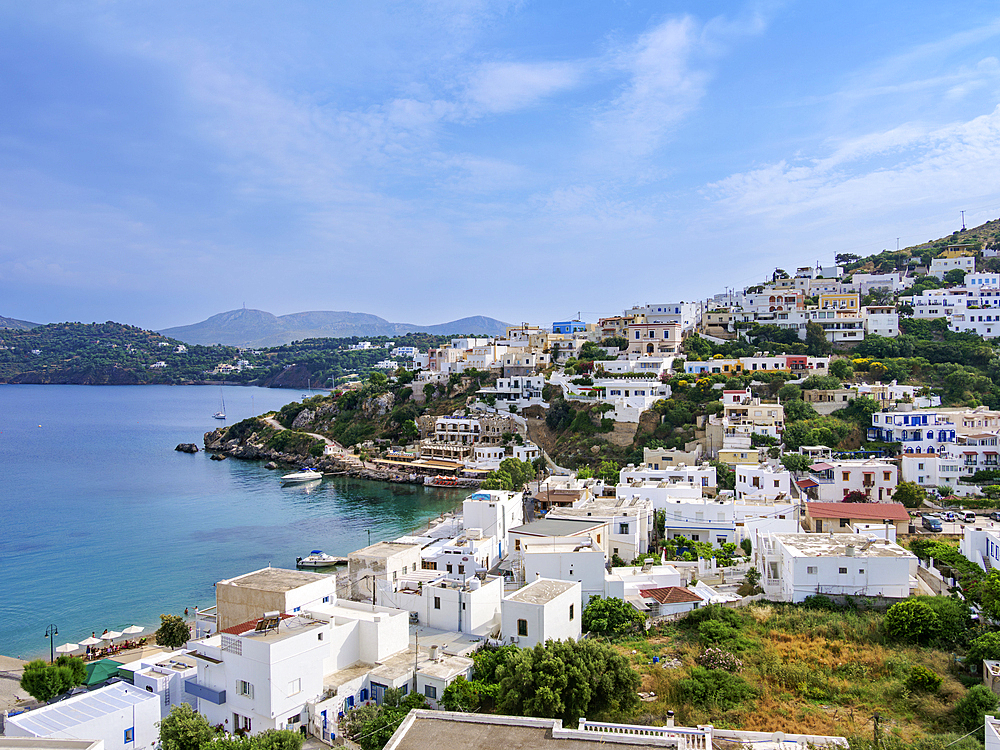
(835, 545)
(64, 715)
(866, 511)
(557, 527)
(277, 580)
(541, 591)
(385, 549)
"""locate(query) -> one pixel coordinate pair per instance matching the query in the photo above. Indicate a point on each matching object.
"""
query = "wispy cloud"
(510, 86)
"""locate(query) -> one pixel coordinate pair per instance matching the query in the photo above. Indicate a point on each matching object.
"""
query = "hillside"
(257, 328)
(21, 325)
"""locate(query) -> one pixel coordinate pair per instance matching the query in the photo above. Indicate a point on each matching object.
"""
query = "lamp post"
(51, 632)
(369, 537)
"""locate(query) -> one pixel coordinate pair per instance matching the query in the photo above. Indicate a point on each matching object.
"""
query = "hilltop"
(20, 325)
(258, 328)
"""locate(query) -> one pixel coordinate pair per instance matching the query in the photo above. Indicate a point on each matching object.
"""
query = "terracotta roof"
(670, 595)
(806, 483)
(243, 627)
(867, 511)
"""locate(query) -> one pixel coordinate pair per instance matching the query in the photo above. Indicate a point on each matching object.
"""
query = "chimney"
(537, 575)
(670, 718)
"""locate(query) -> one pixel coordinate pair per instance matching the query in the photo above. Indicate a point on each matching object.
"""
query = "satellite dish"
(778, 737)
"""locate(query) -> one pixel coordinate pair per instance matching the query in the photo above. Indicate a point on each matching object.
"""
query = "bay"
(105, 525)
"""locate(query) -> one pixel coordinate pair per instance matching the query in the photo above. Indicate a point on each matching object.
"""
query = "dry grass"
(814, 672)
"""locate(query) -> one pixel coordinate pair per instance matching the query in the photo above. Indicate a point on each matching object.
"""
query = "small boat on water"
(221, 413)
(317, 559)
(440, 481)
(306, 475)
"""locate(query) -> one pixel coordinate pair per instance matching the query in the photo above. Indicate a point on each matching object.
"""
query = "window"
(844, 522)
(326, 600)
(437, 602)
(449, 567)
(571, 611)
(130, 735)
(244, 688)
(861, 571)
(847, 476)
(517, 543)
(293, 719)
(319, 636)
(842, 571)
(623, 528)
(598, 538)
(295, 686)
(430, 691)
(522, 627)
(811, 570)
(461, 569)
(615, 550)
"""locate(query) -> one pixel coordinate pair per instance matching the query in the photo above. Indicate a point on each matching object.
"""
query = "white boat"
(221, 413)
(306, 475)
(317, 559)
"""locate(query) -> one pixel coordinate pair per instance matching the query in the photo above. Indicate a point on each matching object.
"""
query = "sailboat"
(221, 413)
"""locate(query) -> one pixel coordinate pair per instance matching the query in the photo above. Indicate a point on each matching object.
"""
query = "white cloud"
(510, 86)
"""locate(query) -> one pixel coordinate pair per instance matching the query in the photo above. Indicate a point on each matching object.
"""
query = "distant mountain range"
(258, 328)
(22, 325)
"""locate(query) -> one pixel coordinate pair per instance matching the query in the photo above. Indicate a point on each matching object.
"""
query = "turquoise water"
(106, 525)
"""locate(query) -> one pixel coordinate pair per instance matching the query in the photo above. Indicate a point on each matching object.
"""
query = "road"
(957, 527)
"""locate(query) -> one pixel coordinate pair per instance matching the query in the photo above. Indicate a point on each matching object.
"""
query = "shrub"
(709, 688)
(923, 680)
(971, 708)
(911, 621)
(717, 658)
(821, 602)
(986, 646)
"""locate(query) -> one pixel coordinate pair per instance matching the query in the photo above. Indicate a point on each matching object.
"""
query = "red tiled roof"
(670, 595)
(806, 483)
(243, 627)
(867, 511)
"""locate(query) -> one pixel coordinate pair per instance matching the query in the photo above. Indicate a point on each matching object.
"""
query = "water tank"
(474, 584)
(434, 653)
(850, 550)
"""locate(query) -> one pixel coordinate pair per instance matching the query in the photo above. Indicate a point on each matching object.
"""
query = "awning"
(820, 467)
(99, 671)
(970, 453)
(990, 453)
(807, 483)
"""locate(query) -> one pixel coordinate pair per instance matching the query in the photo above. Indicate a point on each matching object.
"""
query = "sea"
(105, 525)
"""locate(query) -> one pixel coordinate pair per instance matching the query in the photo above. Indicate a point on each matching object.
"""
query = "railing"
(688, 738)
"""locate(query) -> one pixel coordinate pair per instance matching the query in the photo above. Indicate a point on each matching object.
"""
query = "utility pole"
(876, 718)
(963, 221)
(897, 244)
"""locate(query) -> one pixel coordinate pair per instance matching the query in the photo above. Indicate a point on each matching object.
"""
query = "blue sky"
(162, 162)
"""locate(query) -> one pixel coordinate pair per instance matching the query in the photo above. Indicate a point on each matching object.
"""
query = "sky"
(161, 162)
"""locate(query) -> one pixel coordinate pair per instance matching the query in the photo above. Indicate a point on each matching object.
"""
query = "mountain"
(21, 325)
(258, 328)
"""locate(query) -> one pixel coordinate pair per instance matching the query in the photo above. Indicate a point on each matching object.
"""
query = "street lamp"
(51, 632)
(369, 537)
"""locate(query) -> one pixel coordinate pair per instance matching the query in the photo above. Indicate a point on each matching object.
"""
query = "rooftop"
(557, 527)
(541, 591)
(276, 580)
(868, 511)
(670, 595)
(835, 545)
(383, 549)
(64, 715)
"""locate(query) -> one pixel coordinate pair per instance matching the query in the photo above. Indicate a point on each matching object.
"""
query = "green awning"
(99, 671)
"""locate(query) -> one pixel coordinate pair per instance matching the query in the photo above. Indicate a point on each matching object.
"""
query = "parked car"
(931, 524)
(950, 516)
(995, 515)
(969, 517)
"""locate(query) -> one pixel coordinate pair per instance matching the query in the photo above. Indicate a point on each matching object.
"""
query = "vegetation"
(371, 726)
(173, 632)
(186, 729)
(610, 617)
(44, 681)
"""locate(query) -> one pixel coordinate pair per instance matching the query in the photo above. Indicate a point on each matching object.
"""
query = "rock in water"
(217, 457)
(270, 465)
(187, 448)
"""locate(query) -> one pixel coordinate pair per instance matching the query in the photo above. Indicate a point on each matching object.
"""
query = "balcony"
(192, 687)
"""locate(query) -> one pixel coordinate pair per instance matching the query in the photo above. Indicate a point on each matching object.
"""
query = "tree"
(44, 681)
(911, 621)
(989, 592)
(410, 430)
(610, 617)
(609, 471)
(272, 739)
(910, 494)
(796, 462)
(986, 646)
(173, 631)
(954, 276)
(855, 496)
(460, 695)
(185, 729)
(816, 343)
(841, 368)
(567, 680)
(78, 670)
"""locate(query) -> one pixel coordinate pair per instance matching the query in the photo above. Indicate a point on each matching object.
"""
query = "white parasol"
(67, 648)
(133, 629)
(111, 635)
(90, 641)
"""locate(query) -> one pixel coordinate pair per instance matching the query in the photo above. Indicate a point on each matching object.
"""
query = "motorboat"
(306, 475)
(317, 559)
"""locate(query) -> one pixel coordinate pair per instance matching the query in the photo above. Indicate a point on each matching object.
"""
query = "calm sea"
(105, 525)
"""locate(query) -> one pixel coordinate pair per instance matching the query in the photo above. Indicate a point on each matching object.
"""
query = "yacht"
(306, 475)
(317, 559)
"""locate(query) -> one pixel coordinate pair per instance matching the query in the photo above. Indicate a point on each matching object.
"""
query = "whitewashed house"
(494, 513)
(581, 562)
(470, 606)
(543, 610)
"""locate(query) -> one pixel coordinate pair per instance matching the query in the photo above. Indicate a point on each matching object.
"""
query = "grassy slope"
(814, 672)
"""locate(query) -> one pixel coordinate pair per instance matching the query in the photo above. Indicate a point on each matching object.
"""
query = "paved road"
(958, 527)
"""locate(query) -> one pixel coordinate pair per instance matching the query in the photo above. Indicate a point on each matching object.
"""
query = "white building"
(795, 566)
(629, 519)
(581, 562)
(918, 431)
(684, 314)
(543, 610)
(382, 561)
(630, 396)
(763, 482)
(495, 513)
(121, 716)
(165, 676)
(703, 475)
(520, 391)
(881, 320)
(941, 265)
(245, 597)
(626, 583)
(832, 480)
(460, 557)
(931, 470)
(469, 606)
(981, 545)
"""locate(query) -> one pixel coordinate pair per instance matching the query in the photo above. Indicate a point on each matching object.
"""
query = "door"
(378, 693)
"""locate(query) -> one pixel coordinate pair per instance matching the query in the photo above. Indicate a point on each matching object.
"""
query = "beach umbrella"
(90, 641)
(133, 629)
(111, 635)
(67, 648)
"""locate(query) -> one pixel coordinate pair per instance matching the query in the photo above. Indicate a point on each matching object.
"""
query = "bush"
(717, 658)
(821, 602)
(923, 680)
(971, 708)
(714, 689)
(911, 621)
